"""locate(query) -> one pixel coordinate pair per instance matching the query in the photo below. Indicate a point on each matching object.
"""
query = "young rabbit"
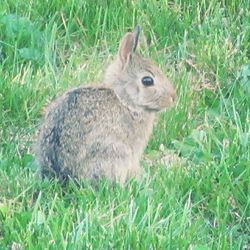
(101, 132)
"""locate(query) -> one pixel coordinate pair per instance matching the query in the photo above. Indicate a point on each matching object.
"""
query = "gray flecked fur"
(96, 132)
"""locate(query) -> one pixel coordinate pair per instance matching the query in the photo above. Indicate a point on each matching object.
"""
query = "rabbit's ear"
(129, 44)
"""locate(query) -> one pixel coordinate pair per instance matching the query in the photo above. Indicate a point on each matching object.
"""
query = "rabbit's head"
(137, 81)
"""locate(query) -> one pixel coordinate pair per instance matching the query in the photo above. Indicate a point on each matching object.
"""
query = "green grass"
(201, 201)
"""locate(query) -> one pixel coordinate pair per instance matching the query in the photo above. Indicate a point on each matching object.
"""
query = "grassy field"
(196, 190)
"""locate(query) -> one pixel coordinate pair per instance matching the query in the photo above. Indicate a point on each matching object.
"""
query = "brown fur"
(92, 132)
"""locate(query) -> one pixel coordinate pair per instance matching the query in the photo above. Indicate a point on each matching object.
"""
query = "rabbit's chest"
(136, 130)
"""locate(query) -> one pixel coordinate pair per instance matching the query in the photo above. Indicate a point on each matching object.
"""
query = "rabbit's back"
(89, 133)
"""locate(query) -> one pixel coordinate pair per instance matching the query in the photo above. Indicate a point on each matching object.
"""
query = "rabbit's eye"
(147, 81)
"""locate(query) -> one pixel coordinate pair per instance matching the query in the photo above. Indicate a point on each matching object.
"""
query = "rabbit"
(90, 133)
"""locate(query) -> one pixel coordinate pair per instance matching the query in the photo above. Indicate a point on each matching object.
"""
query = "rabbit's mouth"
(150, 109)
(162, 105)
(158, 109)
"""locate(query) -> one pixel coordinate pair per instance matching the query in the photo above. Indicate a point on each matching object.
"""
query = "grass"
(201, 201)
